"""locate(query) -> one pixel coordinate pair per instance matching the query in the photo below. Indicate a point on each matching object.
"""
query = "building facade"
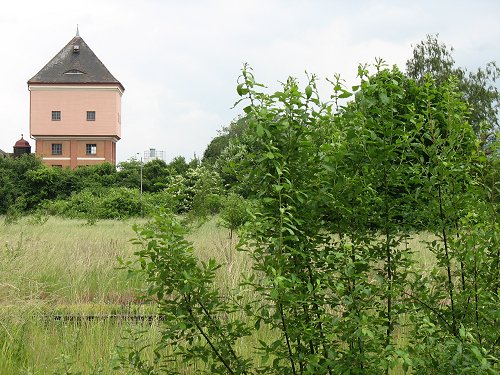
(75, 108)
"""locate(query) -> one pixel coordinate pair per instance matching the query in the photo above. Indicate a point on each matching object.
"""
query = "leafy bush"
(234, 212)
(112, 203)
(120, 203)
(162, 199)
(207, 190)
(333, 280)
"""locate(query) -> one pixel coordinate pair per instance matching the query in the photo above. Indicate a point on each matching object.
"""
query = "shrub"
(234, 212)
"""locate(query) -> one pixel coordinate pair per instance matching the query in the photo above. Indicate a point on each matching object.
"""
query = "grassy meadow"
(67, 267)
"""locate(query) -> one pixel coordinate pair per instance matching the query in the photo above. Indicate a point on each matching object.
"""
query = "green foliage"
(207, 191)
(198, 322)
(479, 89)
(226, 163)
(13, 179)
(155, 175)
(120, 203)
(229, 134)
(178, 165)
(49, 184)
(234, 212)
(95, 176)
(112, 203)
(338, 192)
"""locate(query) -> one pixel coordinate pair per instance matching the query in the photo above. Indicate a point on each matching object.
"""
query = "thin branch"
(207, 339)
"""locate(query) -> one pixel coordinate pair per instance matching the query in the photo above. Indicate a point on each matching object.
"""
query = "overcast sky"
(179, 60)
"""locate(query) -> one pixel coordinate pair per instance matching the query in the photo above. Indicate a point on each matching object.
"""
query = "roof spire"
(77, 31)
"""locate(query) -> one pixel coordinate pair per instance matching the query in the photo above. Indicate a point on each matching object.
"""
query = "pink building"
(75, 108)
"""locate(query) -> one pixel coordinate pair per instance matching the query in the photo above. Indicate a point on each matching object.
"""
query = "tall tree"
(480, 88)
(228, 134)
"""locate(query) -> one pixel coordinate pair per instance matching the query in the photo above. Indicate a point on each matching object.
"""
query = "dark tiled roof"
(75, 63)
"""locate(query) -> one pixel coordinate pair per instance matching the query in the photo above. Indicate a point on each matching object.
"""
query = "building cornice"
(73, 87)
(93, 137)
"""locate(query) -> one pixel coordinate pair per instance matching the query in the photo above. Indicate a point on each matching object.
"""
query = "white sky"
(179, 60)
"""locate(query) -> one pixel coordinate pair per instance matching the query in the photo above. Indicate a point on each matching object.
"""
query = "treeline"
(201, 186)
(104, 191)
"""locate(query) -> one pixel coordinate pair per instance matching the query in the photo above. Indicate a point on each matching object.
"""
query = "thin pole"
(141, 187)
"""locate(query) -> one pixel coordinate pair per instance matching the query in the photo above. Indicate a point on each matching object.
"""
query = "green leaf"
(260, 130)
(345, 94)
(329, 167)
(239, 89)
(309, 91)
(384, 98)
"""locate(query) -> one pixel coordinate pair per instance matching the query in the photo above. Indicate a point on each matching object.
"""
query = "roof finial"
(77, 31)
(22, 136)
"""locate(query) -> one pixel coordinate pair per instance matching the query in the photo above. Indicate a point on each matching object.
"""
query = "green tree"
(333, 282)
(178, 165)
(48, 183)
(97, 176)
(14, 179)
(227, 135)
(129, 173)
(155, 175)
(479, 88)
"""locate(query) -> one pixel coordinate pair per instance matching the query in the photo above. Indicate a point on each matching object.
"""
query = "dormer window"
(90, 115)
(74, 71)
(56, 115)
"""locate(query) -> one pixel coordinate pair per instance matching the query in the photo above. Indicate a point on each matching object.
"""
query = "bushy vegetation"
(367, 224)
(339, 192)
(104, 192)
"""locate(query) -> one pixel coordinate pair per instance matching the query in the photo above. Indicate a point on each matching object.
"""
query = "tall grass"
(68, 267)
(62, 266)
(64, 261)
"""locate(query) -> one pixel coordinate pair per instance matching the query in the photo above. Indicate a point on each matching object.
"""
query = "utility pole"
(141, 187)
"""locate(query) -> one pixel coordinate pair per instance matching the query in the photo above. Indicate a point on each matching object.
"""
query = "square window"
(56, 115)
(56, 149)
(90, 115)
(91, 149)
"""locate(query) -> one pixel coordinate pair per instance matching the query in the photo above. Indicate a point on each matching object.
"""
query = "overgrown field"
(326, 198)
(64, 269)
